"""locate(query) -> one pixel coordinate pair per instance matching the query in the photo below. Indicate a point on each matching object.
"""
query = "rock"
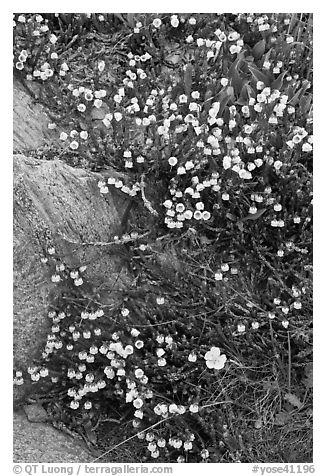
(30, 122)
(55, 204)
(36, 413)
(41, 443)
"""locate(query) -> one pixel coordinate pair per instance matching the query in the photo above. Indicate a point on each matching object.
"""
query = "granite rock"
(30, 121)
(57, 205)
(42, 443)
(36, 413)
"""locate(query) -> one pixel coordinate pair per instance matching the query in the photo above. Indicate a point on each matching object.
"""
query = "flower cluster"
(101, 363)
(225, 168)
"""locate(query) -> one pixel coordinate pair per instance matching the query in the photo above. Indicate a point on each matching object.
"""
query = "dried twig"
(120, 241)
(132, 437)
(147, 203)
(289, 363)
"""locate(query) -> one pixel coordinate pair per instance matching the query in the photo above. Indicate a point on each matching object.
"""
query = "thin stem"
(289, 363)
(131, 438)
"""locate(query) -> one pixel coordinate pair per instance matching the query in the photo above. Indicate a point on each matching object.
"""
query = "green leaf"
(254, 216)
(230, 92)
(204, 240)
(97, 114)
(209, 95)
(259, 49)
(246, 93)
(267, 55)
(118, 15)
(235, 79)
(295, 99)
(308, 381)
(289, 91)
(223, 102)
(293, 400)
(287, 47)
(188, 79)
(251, 92)
(305, 85)
(276, 139)
(278, 83)
(131, 20)
(258, 75)
(293, 21)
(236, 82)
(91, 435)
(231, 217)
(305, 103)
(282, 418)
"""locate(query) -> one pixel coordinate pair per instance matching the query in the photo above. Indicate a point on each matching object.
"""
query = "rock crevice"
(60, 206)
